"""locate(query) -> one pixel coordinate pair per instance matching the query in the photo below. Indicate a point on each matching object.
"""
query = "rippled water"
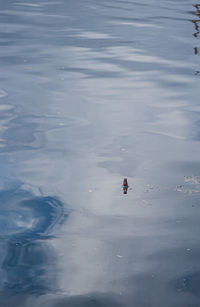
(92, 92)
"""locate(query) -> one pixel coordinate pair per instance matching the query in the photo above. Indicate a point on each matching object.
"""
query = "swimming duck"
(125, 185)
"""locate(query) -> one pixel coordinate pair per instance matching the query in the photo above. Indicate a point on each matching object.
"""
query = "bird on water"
(125, 185)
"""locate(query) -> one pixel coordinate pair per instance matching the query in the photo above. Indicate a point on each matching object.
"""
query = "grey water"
(92, 92)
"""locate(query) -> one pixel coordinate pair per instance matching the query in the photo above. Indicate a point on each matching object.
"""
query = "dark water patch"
(134, 3)
(115, 7)
(90, 300)
(145, 285)
(26, 224)
(188, 283)
(21, 133)
(18, 133)
(24, 215)
(89, 73)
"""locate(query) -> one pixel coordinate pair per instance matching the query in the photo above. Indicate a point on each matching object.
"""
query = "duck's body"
(125, 185)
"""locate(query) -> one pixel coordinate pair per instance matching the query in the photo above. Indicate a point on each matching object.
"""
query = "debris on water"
(191, 185)
(179, 188)
(125, 185)
(192, 179)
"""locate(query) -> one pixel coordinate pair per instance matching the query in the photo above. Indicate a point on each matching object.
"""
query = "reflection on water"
(89, 91)
(26, 224)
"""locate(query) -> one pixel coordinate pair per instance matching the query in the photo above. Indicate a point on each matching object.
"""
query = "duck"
(125, 185)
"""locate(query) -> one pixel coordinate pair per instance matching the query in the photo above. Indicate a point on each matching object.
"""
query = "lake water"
(92, 92)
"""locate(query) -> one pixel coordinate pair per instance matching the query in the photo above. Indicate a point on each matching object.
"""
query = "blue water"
(92, 92)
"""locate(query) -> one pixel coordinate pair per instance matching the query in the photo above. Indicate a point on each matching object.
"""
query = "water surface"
(92, 92)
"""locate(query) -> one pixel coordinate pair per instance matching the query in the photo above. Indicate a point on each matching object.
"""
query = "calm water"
(92, 92)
